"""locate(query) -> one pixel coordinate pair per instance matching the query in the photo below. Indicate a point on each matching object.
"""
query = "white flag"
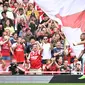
(72, 15)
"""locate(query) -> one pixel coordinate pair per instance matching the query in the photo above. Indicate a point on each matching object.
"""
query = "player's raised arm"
(80, 43)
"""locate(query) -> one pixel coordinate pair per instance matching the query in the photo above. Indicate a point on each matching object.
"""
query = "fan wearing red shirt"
(5, 48)
(0, 45)
(35, 60)
(18, 48)
(52, 65)
(2, 61)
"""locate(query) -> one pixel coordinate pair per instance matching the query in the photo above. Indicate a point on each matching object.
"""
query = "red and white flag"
(72, 15)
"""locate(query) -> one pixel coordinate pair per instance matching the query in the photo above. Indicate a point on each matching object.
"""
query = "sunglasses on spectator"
(77, 64)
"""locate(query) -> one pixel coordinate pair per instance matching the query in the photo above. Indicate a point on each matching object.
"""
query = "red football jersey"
(19, 53)
(0, 40)
(5, 49)
(53, 67)
(19, 48)
(35, 60)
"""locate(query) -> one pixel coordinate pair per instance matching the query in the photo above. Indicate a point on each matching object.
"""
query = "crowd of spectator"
(31, 44)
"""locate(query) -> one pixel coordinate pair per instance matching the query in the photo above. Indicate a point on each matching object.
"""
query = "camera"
(13, 68)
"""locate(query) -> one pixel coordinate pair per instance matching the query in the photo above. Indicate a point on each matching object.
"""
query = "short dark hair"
(14, 33)
(5, 5)
(20, 9)
(1, 3)
(44, 15)
(3, 12)
(32, 37)
(83, 33)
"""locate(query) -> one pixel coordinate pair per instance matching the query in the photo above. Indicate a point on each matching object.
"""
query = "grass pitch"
(42, 84)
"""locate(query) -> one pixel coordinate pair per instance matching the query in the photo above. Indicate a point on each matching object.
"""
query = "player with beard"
(82, 37)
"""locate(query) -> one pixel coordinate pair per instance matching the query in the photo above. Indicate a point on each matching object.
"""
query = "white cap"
(79, 62)
(31, 1)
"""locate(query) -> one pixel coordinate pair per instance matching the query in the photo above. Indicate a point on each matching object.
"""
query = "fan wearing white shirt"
(46, 54)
